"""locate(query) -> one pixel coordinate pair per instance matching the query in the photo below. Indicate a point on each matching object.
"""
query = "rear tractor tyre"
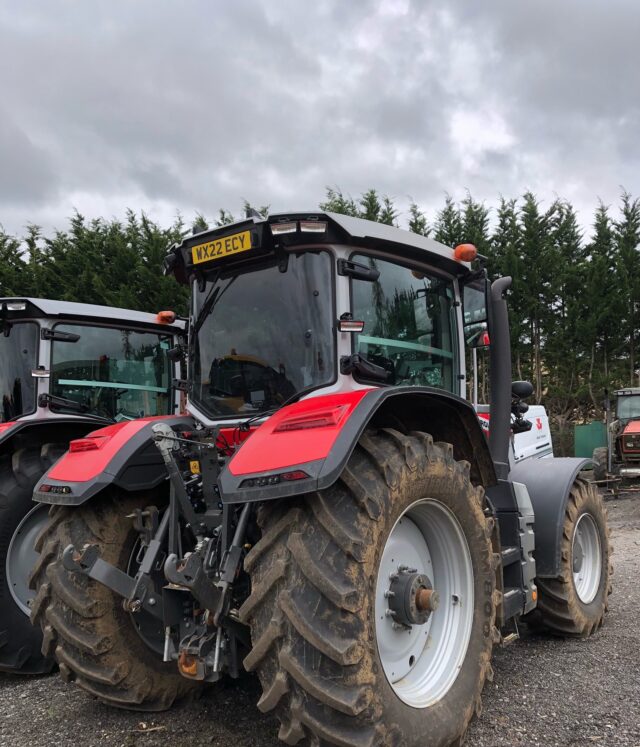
(350, 641)
(574, 603)
(97, 644)
(600, 461)
(20, 522)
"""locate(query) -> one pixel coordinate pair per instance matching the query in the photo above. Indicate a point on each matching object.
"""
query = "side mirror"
(476, 335)
(521, 389)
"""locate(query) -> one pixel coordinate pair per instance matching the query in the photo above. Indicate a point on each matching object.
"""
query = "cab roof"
(266, 235)
(70, 311)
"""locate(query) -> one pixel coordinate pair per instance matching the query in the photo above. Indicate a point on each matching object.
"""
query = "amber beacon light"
(465, 252)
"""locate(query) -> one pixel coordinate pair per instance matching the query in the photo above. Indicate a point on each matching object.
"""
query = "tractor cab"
(625, 431)
(303, 305)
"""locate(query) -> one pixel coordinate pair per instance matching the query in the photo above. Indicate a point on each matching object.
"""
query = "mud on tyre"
(314, 608)
(93, 639)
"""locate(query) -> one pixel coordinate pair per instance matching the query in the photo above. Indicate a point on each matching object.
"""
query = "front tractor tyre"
(20, 522)
(113, 654)
(372, 605)
(574, 603)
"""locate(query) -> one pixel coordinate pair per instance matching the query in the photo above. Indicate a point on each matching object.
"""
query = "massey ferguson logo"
(539, 423)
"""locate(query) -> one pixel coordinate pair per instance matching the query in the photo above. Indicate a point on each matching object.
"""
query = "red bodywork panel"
(270, 448)
(632, 426)
(83, 466)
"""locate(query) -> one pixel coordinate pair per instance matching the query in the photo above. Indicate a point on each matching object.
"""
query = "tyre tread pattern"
(318, 677)
(94, 649)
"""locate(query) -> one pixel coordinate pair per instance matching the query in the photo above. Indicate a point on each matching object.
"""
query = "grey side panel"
(526, 522)
(548, 483)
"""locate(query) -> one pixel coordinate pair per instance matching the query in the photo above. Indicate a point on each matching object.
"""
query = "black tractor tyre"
(312, 605)
(600, 461)
(560, 610)
(85, 627)
(20, 642)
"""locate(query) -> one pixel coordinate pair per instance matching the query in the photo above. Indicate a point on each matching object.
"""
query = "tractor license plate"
(221, 248)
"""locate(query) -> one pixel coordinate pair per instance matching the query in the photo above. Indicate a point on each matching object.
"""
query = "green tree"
(626, 232)
(448, 226)
(418, 220)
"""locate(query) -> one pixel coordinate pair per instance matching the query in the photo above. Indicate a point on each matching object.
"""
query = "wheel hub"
(425, 566)
(411, 597)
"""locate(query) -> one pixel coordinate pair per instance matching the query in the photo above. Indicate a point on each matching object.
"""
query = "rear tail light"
(87, 444)
(57, 489)
(263, 481)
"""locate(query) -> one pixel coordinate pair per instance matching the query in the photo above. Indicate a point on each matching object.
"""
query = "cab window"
(409, 324)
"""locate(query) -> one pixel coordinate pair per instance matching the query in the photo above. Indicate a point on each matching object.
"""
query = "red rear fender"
(123, 454)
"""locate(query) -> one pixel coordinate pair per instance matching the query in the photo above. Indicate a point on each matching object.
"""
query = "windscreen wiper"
(46, 400)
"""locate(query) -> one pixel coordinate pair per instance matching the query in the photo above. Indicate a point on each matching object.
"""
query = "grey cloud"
(26, 173)
(198, 105)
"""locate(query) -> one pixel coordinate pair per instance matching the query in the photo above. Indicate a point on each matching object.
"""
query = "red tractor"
(334, 519)
(65, 370)
(620, 458)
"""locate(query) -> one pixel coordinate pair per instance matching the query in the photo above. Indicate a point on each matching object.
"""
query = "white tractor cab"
(65, 370)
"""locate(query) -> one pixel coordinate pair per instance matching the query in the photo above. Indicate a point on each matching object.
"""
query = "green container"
(588, 437)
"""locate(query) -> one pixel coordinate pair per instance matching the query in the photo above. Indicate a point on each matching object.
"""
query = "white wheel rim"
(422, 663)
(586, 556)
(21, 557)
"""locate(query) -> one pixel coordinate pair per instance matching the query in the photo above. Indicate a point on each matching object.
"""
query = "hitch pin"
(167, 643)
(216, 656)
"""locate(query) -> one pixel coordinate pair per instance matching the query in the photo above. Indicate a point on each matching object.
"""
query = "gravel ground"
(545, 691)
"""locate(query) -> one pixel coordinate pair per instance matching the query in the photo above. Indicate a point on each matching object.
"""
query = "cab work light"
(313, 226)
(277, 229)
(16, 305)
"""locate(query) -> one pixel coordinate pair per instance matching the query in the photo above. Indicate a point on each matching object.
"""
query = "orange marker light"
(465, 252)
(187, 665)
(166, 317)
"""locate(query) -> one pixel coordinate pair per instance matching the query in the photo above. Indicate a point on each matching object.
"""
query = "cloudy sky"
(195, 105)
